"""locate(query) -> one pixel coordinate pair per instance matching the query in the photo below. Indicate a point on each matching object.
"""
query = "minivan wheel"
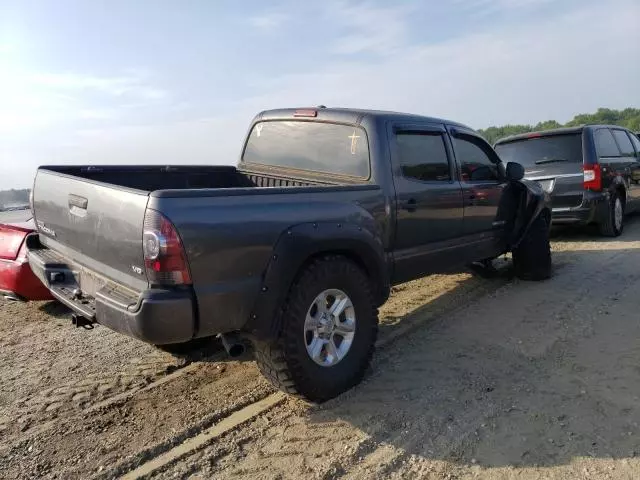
(532, 258)
(328, 332)
(613, 223)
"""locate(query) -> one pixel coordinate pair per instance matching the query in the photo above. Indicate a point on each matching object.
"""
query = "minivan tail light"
(592, 177)
(164, 257)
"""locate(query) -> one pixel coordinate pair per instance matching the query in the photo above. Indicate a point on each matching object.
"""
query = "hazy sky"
(120, 81)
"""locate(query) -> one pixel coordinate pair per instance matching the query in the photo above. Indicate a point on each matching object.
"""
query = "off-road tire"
(607, 226)
(285, 361)
(532, 258)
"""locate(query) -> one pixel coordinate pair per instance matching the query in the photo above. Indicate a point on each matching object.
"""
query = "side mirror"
(515, 172)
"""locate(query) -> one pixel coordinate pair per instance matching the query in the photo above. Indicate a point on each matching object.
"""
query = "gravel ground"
(478, 379)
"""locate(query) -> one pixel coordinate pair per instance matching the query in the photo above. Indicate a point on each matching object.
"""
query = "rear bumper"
(161, 317)
(592, 210)
(17, 282)
(154, 316)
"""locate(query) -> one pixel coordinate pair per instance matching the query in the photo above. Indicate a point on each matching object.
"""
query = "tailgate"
(94, 225)
(553, 160)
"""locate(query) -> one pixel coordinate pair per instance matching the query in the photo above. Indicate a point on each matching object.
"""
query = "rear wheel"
(329, 328)
(613, 223)
(532, 258)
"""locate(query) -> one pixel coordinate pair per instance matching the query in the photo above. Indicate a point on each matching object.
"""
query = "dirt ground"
(473, 378)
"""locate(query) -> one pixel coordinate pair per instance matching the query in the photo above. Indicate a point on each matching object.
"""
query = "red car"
(17, 281)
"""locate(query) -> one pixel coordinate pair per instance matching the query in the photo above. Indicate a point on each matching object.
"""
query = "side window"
(475, 161)
(636, 143)
(605, 144)
(423, 156)
(626, 148)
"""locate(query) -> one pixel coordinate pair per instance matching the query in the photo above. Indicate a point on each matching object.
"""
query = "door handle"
(410, 205)
(78, 205)
(78, 201)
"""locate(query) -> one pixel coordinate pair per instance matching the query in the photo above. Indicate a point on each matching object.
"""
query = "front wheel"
(532, 258)
(328, 332)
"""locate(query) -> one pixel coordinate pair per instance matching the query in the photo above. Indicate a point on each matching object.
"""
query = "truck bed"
(155, 177)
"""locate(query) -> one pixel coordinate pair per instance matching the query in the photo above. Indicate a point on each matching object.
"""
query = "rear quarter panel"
(229, 237)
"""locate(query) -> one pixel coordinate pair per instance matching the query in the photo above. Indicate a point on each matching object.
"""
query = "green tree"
(628, 118)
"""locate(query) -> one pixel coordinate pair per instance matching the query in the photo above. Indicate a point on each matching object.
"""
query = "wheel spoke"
(344, 328)
(321, 302)
(339, 305)
(332, 352)
(315, 349)
(311, 323)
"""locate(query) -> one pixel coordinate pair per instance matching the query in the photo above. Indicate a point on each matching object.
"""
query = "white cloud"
(488, 7)
(268, 21)
(33, 101)
(115, 86)
(372, 29)
(526, 72)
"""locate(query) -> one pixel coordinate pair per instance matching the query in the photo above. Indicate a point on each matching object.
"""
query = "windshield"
(314, 146)
(531, 152)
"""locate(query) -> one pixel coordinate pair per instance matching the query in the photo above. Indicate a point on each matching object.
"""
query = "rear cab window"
(536, 151)
(311, 146)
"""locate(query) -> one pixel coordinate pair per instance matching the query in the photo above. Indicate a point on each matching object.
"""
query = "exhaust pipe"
(233, 344)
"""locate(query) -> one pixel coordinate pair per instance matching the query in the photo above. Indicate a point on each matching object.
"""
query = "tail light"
(11, 239)
(592, 177)
(164, 256)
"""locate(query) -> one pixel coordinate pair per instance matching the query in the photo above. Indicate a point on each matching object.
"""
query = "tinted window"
(636, 142)
(475, 163)
(605, 144)
(537, 151)
(423, 157)
(624, 143)
(320, 147)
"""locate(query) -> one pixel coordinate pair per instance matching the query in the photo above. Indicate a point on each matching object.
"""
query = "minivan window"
(626, 148)
(636, 142)
(305, 145)
(423, 156)
(605, 144)
(547, 149)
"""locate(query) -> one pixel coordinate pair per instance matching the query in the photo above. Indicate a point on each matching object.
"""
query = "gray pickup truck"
(296, 248)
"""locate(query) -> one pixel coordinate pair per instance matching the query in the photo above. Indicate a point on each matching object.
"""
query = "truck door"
(482, 185)
(428, 200)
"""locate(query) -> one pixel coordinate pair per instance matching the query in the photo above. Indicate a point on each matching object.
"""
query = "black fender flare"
(295, 248)
(532, 202)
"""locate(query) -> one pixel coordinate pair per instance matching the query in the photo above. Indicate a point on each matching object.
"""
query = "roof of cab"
(350, 115)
